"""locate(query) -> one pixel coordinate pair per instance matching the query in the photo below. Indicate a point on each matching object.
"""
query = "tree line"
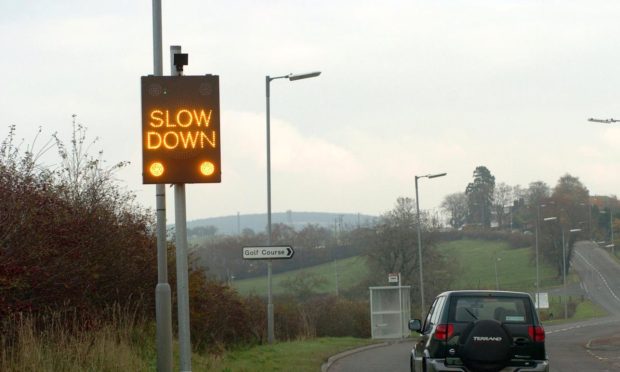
(565, 211)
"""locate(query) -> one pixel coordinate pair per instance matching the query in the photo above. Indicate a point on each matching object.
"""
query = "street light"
(497, 259)
(417, 208)
(564, 270)
(268, 79)
(611, 230)
(563, 264)
(589, 206)
(605, 121)
(536, 240)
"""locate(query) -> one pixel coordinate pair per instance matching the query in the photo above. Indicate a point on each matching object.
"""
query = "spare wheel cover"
(486, 348)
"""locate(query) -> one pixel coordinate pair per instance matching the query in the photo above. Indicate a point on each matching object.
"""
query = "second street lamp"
(268, 79)
(564, 269)
(417, 208)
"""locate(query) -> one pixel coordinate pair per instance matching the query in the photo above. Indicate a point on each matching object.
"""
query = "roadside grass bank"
(578, 310)
(127, 343)
(302, 355)
(478, 260)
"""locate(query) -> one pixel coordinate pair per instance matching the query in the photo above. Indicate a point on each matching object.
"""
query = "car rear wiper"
(472, 314)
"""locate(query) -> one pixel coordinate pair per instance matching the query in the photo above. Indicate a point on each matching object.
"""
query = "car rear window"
(502, 309)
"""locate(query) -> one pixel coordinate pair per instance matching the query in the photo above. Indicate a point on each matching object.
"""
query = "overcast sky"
(407, 88)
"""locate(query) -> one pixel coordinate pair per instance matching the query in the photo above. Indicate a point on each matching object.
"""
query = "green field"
(475, 260)
(350, 271)
(516, 268)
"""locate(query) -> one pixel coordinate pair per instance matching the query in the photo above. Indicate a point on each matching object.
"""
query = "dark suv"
(480, 331)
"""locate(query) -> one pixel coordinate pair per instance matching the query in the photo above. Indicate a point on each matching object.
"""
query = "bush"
(219, 317)
(70, 238)
(321, 316)
(339, 317)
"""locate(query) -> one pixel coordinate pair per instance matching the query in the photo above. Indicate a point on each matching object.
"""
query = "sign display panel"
(181, 129)
(268, 252)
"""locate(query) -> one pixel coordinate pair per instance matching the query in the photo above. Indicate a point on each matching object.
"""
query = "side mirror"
(415, 325)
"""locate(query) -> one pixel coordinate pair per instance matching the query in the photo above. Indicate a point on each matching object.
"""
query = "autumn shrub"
(256, 317)
(219, 316)
(71, 239)
(321, 316)
(291, 319)
(339, 317)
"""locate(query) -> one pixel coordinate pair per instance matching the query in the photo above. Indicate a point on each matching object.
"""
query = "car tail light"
(444, 332)
(537, 333)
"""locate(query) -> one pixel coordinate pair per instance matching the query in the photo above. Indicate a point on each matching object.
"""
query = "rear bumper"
(439, 365)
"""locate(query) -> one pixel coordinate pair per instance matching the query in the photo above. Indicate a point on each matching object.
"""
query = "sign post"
(181, 144)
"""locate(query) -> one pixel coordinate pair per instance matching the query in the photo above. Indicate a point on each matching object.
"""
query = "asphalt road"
(391, 358)
(591, 346)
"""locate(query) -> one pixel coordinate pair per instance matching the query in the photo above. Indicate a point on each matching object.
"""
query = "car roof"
(489, 293)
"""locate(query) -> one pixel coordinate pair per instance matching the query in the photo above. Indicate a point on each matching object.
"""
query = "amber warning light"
(181, 129)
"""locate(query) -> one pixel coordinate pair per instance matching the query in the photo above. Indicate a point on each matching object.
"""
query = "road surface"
(592, 345)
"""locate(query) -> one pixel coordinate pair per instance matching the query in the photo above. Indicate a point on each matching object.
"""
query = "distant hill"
(231, 225)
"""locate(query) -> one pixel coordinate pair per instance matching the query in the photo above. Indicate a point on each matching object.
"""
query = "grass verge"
(299, 356)
(128, 344)
(585, 310)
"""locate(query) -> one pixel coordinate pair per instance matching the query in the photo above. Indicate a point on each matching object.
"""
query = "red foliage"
(61, 250)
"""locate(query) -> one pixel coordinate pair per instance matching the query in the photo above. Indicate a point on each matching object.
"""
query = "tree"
(393, 248)
(456, 205)
(537, 192)
(503, 198)
(569, 203)
(480, 196)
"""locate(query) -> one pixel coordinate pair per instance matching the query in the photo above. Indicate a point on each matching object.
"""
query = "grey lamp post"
(497, 259)
(544, 220)
(268, 79)
(537, 250)
(611, 231)
(417, 208)
(564, 270)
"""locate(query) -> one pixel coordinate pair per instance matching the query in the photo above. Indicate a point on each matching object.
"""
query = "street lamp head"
(436, 175)
(431, 175)
(605, 121)
(293, 77)
(574, 230)
(550, 218)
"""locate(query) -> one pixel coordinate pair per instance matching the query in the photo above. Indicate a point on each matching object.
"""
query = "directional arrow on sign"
(279, 252)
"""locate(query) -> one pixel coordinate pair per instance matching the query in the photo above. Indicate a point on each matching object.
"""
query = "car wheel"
(485, 346)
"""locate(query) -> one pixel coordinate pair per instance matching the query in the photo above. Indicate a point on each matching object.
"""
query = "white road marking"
(601, 275)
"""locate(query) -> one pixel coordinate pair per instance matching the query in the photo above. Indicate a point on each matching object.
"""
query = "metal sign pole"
(270, 327)
(180, 228)
(163, 303)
